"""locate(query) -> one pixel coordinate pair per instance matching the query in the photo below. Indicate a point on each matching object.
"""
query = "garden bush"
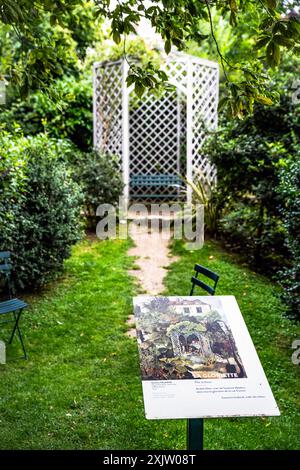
(39, 207)
(241, 230)
(258, 187)
(100, 177)
(290, 191)
(65, 112)
(248, 175)
(249, 155)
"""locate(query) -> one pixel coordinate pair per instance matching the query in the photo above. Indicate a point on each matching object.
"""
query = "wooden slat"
(202, 284)
(207, 272)
(155, 180)
(5, 267)
(11, 305)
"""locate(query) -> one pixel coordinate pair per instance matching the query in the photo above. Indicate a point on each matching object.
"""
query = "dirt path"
(153, 256)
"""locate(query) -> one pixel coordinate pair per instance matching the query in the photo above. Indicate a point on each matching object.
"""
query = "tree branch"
(223, 60)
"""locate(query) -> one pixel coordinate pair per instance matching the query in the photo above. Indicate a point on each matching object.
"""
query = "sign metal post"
(195, 428)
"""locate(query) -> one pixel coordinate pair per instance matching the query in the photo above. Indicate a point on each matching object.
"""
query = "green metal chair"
(195, 426)
(208, 274)
(12, 305)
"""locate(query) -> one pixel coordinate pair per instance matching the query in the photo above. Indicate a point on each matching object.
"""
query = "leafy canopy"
(43, 40)
(274, 29)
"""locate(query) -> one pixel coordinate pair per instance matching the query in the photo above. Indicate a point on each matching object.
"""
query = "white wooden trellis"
(150, 135)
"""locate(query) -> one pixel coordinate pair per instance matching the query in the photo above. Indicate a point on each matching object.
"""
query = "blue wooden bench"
(154, 181)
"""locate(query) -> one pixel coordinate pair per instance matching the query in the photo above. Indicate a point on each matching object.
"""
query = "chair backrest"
(5, 269)
(198, 282)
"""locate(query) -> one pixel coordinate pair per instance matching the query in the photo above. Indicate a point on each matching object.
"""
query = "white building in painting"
(190, 308)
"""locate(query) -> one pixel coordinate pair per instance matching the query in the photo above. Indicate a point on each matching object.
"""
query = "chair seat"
(5, 267)
(11, 305)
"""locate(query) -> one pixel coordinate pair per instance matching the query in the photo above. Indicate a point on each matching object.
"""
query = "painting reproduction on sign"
(185, 339)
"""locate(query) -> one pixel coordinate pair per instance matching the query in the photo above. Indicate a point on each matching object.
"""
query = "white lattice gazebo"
(157, 137)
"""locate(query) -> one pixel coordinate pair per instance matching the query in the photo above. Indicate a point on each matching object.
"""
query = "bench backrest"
(158, 179)
(5, 269)
(207, 273)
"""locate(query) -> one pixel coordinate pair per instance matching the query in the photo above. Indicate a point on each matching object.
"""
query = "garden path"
(152, 257)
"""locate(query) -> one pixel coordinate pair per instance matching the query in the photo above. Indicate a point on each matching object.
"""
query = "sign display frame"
(198, 359)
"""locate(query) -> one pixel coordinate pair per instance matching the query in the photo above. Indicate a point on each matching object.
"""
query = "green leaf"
(280, 27)
(222, 103)
(296, 51)
(168, 46)
(116, 37)
(53, 20)
(199, 37)
(150, 81)
(139, 89)
(263, 100)
(261, 42)
(266, 23)
(130, 80)
(273, 54)
(283, 41)
(271, 4)
(162, 75)
(294, 28)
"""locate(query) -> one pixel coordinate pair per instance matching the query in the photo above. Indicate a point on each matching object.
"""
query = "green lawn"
(272, 335)
(80, 388)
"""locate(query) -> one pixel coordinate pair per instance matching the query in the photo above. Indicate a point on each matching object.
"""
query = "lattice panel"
(204, 115)
(160, 129)
(108, 108)
(153, 137)
(177, 72)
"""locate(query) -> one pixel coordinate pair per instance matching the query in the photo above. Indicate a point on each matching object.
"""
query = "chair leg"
(17, 318)
(16, 328)
(22, 342)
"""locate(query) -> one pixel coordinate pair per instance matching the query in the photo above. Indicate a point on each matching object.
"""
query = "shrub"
(290, 277)
(39, 207)
(100, 178)
(64, 113)
(204, 193)
(249, 155)
(241, 228)
(248, 175)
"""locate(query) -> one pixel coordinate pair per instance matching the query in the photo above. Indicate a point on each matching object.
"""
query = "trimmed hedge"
(100, 178)
(290, 277)
(39, 206)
